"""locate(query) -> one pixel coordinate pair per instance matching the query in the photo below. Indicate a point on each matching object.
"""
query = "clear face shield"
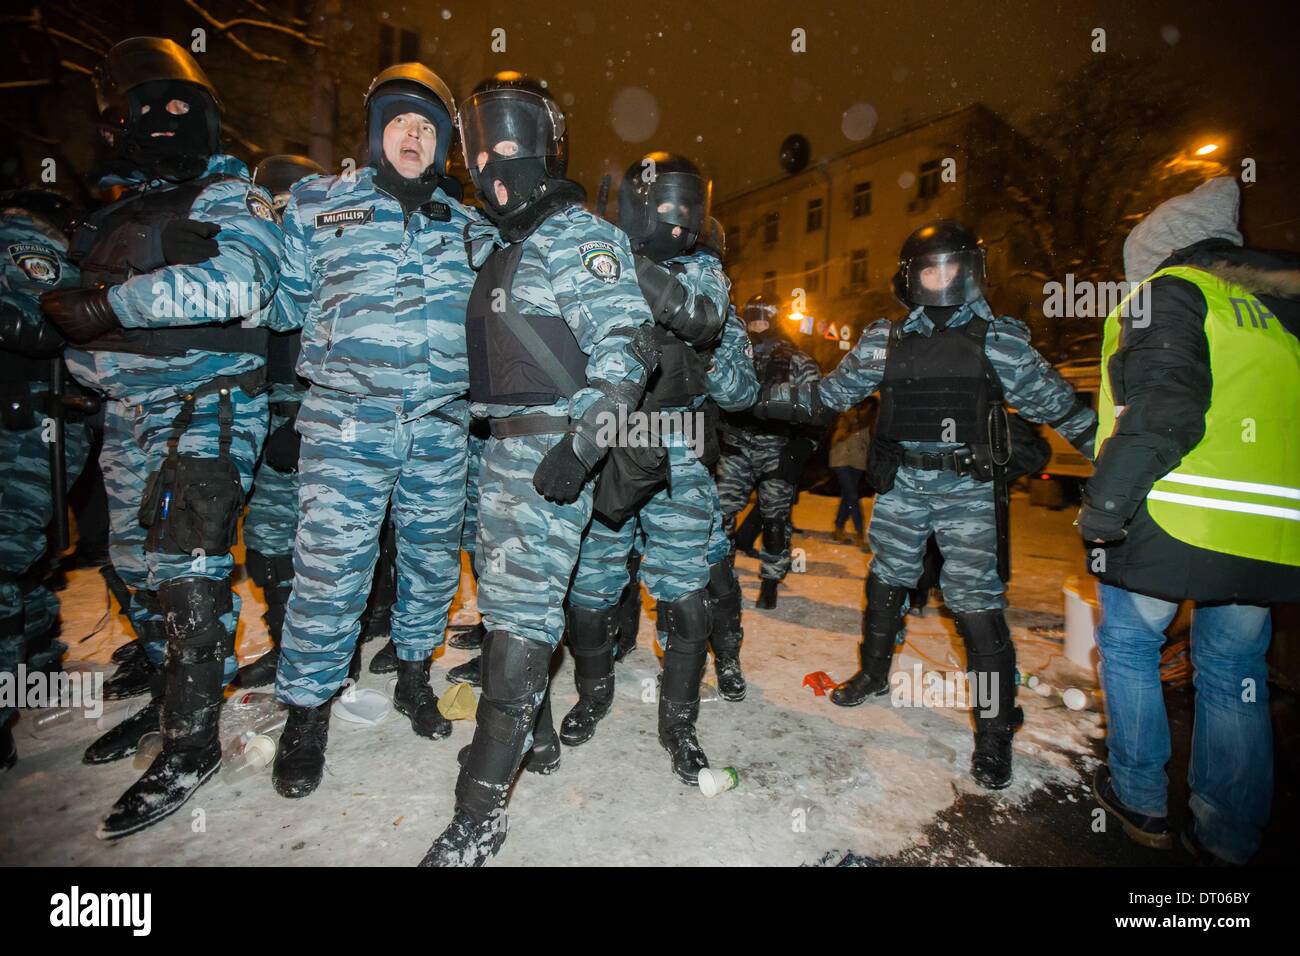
(503, 125)
(680, 199)
(945, 278)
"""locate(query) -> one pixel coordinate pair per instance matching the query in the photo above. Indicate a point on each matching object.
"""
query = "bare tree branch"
(228, 27)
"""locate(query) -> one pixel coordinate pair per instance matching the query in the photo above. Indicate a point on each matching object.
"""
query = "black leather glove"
(80, 314)
(1098, 526)
(800, 404)
(33, 339)
(187, 242)
(560, 475)
(667, 300)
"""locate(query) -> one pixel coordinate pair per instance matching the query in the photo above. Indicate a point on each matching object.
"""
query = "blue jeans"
(1231, 773)
(850, 504)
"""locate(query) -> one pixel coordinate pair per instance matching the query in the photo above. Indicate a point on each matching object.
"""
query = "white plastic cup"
(1074, 698)
(714, 782)
(1043, 689)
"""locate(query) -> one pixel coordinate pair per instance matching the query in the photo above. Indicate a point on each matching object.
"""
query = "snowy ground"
(817, 781)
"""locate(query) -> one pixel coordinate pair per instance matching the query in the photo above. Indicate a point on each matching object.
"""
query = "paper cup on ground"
(1074, 698)
(361, 705)
(458, 703)
(714, 782)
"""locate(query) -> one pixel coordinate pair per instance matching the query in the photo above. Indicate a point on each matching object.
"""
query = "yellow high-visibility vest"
(1238, 491)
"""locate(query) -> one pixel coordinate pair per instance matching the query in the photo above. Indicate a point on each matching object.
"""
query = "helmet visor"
(681, 199)
(506, 124)
(945, 278)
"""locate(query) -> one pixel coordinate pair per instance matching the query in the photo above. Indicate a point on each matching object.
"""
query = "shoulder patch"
(600, 258)
(39, 261)
(258, 206)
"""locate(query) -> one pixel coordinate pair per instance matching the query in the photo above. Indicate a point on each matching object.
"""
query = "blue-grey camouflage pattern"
(469, 533)
(528, 546)
(958, 509)
(34, 261)
(145, 391)
(676, 521)
(751, 461)
(381, 300)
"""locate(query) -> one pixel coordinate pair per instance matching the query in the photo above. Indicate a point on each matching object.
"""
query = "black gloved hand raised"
(187, 242)
(560, 475)
(80, 314)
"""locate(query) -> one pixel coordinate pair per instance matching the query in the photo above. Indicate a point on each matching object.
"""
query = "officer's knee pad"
(194, 608)
(985, 632)
(686, 622)
(722, 581)
(192, 503)
(514, 669)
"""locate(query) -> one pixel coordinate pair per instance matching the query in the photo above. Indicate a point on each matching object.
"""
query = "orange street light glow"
(1207, 149)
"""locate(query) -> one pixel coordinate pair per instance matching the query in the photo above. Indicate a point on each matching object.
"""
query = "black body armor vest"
(107, 248)
(282, 351)
(502, 369)
(933, 383)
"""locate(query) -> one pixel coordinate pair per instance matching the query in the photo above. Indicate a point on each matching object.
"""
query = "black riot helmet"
(713, 238)
(134, 87)
(276, 174)
(513, 135)
(759, 314)
(410, 88)
(941, 264)
(662, 204)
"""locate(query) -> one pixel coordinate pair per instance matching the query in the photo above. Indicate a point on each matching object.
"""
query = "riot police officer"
(376, 271)
(945, 371)
(170, 323)
(559, 341)
(663, 202)
(33, 224)
(766, 456)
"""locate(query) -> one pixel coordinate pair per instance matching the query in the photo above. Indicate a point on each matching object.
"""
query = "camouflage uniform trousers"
(469, 534)
(743, 468)
(358, 455)
(25, 510)
(272, 519)
(959, 511)
(135, 446)
(677, 522)
(527, 546)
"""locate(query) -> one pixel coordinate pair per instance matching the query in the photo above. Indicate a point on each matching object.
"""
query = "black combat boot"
(128, 651)
(385, 661)
(686, 624)
(991, 659)
(197, 648)
(516, 672)
(591, 640)
(767, 594)
(470, 639)
(123, 740)
(415, 698)
(300, 754)
(629, 609)
(544, 756)
(134, 675)
(467, 673)
(881, 622)
(726, 636)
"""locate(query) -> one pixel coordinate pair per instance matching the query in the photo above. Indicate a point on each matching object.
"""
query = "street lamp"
(1207, 149)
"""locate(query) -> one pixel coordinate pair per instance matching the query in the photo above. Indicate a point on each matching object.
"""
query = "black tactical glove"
(667, 300)
(33, 339)
(187, 242)
(560, 474)
(80, 314)
(800, 404)
(1098, 526)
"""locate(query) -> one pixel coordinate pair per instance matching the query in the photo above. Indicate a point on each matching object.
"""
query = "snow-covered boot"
(991, 659)
(415, 698)
(300, 754)
(686, 625)
(197, 647)
(544, 756)
(123, 740)
(135, 674)
(516, 672)
(881, 622)
(726, 634)
(591, 640)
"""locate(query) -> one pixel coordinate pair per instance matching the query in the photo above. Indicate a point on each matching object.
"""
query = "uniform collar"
(917, 321)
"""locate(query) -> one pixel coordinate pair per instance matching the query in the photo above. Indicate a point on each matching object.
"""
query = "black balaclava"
(411, 193)
(162, 145)
(661, 245)
(940, 314)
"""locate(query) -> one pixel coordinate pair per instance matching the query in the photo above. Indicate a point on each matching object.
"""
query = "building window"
(812, 276)
(814, 215)
(858, 269)
(397, 46)
(771, 228)
(769, 285)
(861, 200)
(927, 186)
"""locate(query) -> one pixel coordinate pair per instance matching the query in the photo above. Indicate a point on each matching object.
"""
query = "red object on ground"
(820, 682)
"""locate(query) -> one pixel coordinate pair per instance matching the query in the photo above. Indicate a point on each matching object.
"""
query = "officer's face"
(410, 141)
(938, 277)
(175, 107)
(667, 207)
(506, 149)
